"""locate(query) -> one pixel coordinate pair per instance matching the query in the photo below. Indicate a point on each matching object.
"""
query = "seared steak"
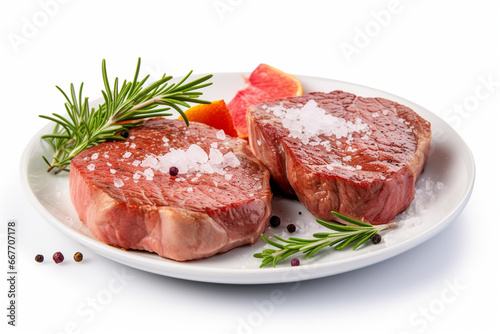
(337, 151)
(219, 199)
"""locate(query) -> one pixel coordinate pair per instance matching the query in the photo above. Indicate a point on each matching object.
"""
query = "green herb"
(356, 234)
(124, 107)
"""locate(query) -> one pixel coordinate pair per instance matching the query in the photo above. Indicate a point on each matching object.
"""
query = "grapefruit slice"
(265, 83)
(215, 114)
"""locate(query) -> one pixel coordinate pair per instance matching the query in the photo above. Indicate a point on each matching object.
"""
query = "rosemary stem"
(284, 250)
(146, 103)
(334, 237)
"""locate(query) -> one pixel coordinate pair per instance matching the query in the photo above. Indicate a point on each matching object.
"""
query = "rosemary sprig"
(357, 233)
(124, 107)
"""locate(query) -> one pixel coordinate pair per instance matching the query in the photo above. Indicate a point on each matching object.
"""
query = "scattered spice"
(39, 258)
(376, 238)
(291, 228)
(78, 257)
(173, 171)
(124, 133)
(275, 221)
(295, 262)
(58, 257)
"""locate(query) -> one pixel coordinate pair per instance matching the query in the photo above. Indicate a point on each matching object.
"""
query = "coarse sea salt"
(194, 159)
(118, 182)
(149, 174)
(221, 135)
(310, 121)
(94, 156)
(90, 167)
(126, 155)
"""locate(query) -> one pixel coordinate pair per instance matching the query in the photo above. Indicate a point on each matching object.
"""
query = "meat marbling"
(337, 151)
(128, 202)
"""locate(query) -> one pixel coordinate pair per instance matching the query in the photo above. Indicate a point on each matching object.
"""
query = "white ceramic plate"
(442, 192)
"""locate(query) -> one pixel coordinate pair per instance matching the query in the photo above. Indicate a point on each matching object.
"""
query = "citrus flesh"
(265, 83)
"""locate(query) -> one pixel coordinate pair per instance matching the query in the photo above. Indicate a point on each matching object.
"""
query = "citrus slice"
(215, 114)
(265, 83)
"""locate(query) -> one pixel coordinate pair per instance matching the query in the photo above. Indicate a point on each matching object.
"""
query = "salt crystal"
(126, 155)
(136, 163)
(221, 135)
(132, 145)
(214, 145)
(150, 161)
(86, 158)
(207, 168)
(107, 163)
(189, 190)
(439, 185)
(375, 115)
(94, 156)
(228, 177)
(131, 137)
(148, 173)
(112, 171)
(136, 176)
(215, 156)
(231, 159)
(196, 154)
(118, 182)
(259, 142)
(91, 167)
(382, 177)
(106, 156)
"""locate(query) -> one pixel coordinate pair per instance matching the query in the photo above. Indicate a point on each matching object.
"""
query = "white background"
(435, 53)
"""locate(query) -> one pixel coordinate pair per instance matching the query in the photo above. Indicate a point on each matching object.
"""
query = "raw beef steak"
(219, 199)
(337, 151)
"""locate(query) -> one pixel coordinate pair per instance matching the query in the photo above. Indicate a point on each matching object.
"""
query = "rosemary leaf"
(342, 236)
(129, 102)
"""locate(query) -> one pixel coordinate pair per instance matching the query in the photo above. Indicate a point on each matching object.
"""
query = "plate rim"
(183, 270)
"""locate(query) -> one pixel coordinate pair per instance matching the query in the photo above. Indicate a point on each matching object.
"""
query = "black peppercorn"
(275, 221)
(124, 133)
(291, 228)
(376, 238)
(39, 258)
(173, 171)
